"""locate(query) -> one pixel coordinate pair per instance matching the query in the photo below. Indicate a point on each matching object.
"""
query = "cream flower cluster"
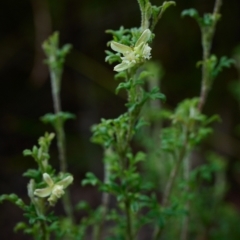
(133, 55)
(54, 190)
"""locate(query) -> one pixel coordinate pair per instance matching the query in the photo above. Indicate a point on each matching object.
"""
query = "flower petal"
(121, 48)
(48, 179)
(65, 182)
(123, 66)
(44, 192)
(144, 37)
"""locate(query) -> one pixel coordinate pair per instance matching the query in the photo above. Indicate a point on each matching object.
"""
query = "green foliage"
(208, 20)
(187, 118)
(151, 13)
(56, 119)
(214, 67)
(90, 179)
(14, 199)
(55, 55)
(40, 155)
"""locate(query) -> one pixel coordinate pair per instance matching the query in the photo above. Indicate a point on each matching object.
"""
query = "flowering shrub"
(158, 190)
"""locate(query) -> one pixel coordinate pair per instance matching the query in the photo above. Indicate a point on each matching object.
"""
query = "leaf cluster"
(55, 55)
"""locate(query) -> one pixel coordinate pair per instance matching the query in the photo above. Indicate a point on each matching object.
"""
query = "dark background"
(88, 85)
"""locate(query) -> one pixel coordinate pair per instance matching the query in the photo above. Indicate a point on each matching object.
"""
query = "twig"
(61, 142)
(168, 190)
(185, 223)
(98, 231)
(207, 37)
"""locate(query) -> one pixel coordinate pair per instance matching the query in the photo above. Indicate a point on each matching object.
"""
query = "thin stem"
(45, 235)
(141, 6)
(105, 197)
(170, 184)
(129, 230)
(185, 223)
(123, 143)
(171, 181)
(61, 142)
(144, 8)
(40, 207)
(217, 6)
(207, 37)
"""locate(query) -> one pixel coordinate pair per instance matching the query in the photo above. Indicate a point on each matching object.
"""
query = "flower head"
(133, 55)
(54, 190)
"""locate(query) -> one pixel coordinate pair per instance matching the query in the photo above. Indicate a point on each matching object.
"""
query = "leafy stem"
(129, 232)
(45, 234)
(172, 179)
(61, 142)
(55, 61)
(207, 37)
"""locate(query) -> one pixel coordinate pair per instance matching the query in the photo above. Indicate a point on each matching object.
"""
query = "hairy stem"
(60, 134)
(207, 37)
(55, 81)
(217, 6)
(98, 231)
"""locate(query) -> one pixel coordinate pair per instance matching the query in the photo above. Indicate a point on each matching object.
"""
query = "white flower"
(133, 55)
(54, 190)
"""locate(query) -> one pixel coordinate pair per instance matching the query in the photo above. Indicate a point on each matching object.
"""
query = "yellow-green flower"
(133, 55)
(54, 190)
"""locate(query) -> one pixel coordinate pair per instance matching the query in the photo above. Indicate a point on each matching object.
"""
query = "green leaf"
(141, 123)
(27, 152)
(112, 57)
(224, 62)
(120, 75)
(55, 55)
(144, 74)
(14, 199)
(140, 156)
(155, 12)
(20, 226)
(83, 205)
(54, 118)
(166, 5)
(123, 85)
(90, 179)
(32, 173)
(135, 207)
(155, 94)
(191, 13)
